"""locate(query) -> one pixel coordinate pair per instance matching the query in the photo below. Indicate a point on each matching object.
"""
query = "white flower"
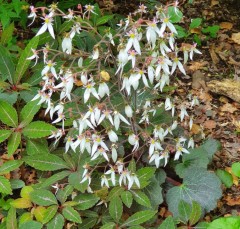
(103, 90)
(90, 90)
(69, 143)
(97, 141)
(134, 140)
(34, 56)
(166, 23)
(83, 124)
(32, 14)
(47, 25)
(183, 113)
(132, 56)
(126, 85)
(113, 177)
(61, 117)
(165, 156)
(164, 48)
(104, 181)
(49, 66)
(154, 146)
(179, 151)
(69, 15)
(84, 78)
(117, 117)
(128, 111)
(152, 31)
(122, 60)
(177, 63)
(134, 38)
(193, 49)
(190, 123)
(114, 153)
(89, 8)
(156, 158)
(95, 54)
(163, 64)
(191, 143)
(67, 45)
(134, 80)
(159, 132)
(106, 114)
(151, 73)
(112, 136)
(90, 114)
(195, 101)
(125, 175)
(169, 106)
(101, 151)
(88, 178)
(120, 165)
(75, 29)
(133, 179)
(171, 40)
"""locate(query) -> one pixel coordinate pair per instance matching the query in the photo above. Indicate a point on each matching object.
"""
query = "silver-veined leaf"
(43, 197)
(8, 115)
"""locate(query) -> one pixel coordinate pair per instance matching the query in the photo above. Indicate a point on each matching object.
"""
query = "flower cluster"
(116, 116)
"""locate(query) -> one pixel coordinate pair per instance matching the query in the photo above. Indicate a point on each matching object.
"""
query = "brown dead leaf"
(196, 129)
(236, 37)
(214, 2)
(205, 97)
(232, 201)
(195, 65)
(228, 107)
(210, 124)
(223, 99)
(226, 25)
(195, 30)
(213, 54)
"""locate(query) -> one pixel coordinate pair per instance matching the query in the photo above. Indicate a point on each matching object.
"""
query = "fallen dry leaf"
(210, 124)
(195, 65)
(214, 2)
(228, 107)
(226, 25)
(205, 97)
(213, 54)
(232, 201)
(196, 129)
(236, 37)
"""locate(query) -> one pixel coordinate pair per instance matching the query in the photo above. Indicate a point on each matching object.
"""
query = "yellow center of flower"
(132, 35)
(47, 20)
(166, 20)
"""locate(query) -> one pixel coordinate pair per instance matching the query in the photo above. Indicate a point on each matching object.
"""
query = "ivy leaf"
(4, 134)
(8, 115)
(198, 185)
(11, 218)
(139, 218)
(85, 201)
(7, 67)
(13, 143)
(49, 213)
(168, 223)
(5, 186)
(56, 223)
(38, 129)
(28, 112)
(72, 215)
(49, 163)
(116, 208)
(23, 62)
(141, 198)
(43, 197)
(10, 166)
(127, 198)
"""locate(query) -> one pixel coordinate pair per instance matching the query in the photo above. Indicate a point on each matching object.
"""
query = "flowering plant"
(108, 91)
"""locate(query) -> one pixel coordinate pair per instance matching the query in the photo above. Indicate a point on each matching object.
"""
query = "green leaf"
(10, 166)
(9, 97)
(144, 175)
(139, 218)
(13, 142)
(43, 197)
(65, 26)
(195, 23)
(225, 222)
(49, 163)
(198, 185)
(56, 223)
(38, 129)
(72, 215)
(89, 223)
(62, 194)
(16, 183)
(116, 191)
(184, 210)
(23, 62)
(7, 67)
(28, 112)
(104, 19)
(11, 218)
(37, 146)
(168, 223)
(8, 115)
(195, 213)
(5, 186)
(85, 201)
(141, 198)
(4, 134)
(116, 208)
(55, 178)
(127, 198)
(7, 33)
(211, 146)
(236, 169)
(175, 14)
(109, 225)
(31, 225)
(225, 177)
(50, 213)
